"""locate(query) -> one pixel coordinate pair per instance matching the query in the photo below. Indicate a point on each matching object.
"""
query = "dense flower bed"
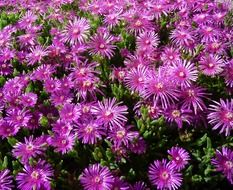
(116, 94)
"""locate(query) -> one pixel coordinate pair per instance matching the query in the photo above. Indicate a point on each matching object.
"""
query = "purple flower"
(29, 99)
(163, 175)
(97, 177)
(228, 73)
(192, 98)
(109, 112)
(35, 177)
(90, 131)
(27, 20)
(177, 115)
(70, 112)
(138, 146)
(179, 156)
(122, 135)
(147, 41)
(76, 31)
(7, 129)
(37, 54)
(18, 117)
(135, 78)
(223, 162)
(211, 65)
(30, 148)
(140, 185)
(6, 180)
(119, 184)
(183, 38)
(101, 44)
(170, 56)
(62, 142)
(184, 73)
(221, 116)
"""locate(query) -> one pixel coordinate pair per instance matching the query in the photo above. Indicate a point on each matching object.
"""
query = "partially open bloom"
(163, 175)
(140, 185)
(6, 180)
(221, 116)
(70, 112)
(179, 156)
(97, 177)
(223, 162)
(109, 112)
(35, 177)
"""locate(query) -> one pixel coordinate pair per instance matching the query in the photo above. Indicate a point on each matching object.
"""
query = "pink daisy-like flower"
(147, 41)
(70, 112)
(18, 117)
(170, 56)
(29, 99)
(135, 78)
(183, 38)
(30, 148)
(97, 177)
(62, 142)
(76, 31)
(37, 54)
(192, 98)
(119, 184)
(221, 116)
(7, 129)
(177, 115)
(163, 175)
(6, 180)
(228, 73)
(211, 65)
(110, 113)
(113, 18)
(102, 45)
(122, 135)
(183, 73)
(90, 132)
(27, 20)
(160, 87)
(179, 156)
(223, 162)
(35, 177)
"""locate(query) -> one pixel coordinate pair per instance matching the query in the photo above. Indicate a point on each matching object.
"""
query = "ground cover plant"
(116, 94)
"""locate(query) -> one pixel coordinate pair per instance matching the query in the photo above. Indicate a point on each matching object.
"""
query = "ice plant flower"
(110, 113)
(6, 180)
(102, 44)
(221, 116)
(76, 31)
(30, 148)
(179, 156)
(35, 177)
(211, 65)
(97, 177)
(192, 98)
(223, 162)
(184, 73)
(163, 175)
(89, 132)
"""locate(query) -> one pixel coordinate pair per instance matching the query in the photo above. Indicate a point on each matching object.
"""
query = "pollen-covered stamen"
(35, 175)
(176, 113)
